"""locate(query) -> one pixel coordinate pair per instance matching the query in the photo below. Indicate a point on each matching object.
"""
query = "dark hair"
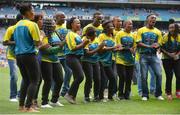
(90, 31)
(104, 25)
(19, 17)
(150, 15)
(176, 32)
(47, 27)
(69, 22)
(96, 13)
(171, 21)
(37, 17)
(24, 7)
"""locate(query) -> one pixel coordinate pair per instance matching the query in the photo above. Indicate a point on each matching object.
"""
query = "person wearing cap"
(106, 59)
(9, 41)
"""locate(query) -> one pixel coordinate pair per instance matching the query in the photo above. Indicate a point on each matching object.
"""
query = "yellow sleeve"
(84, 30)
(35, 32)
(139, 37)
(45, 40)
(70, 40)
(84, 38)
(8, 34)
(165, 39)
(117, 38)
(134, 38)
(178, 37)
(100, 39)
(159, 38)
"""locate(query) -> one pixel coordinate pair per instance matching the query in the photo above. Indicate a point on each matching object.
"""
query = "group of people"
(105, 52)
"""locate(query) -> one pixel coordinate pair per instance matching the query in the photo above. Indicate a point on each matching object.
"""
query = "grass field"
(133, 106)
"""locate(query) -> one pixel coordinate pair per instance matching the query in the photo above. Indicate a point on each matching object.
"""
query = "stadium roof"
(173, 2)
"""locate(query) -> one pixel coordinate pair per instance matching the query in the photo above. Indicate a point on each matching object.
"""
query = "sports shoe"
(144, 98)
(160, 98)
(58, 104)
(46, 106)
(13, 100)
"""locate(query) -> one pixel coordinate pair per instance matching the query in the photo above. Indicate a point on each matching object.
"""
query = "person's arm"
(7, 39)
(52, 50)
(82, 45)
(8, 42)
(100, 47)
(35, 33)
(140, 44)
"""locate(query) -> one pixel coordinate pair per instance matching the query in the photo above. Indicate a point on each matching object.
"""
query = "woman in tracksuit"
(91, 66)
(50, 66)
(171, 62)
(74, 50)
(106, 58)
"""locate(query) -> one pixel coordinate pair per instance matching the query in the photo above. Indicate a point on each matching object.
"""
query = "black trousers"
(171, 66)
(51, 72)
(116, 77)
(92, 72)
(74, 64)
(30, 72)
(107, 71)
(125, 74)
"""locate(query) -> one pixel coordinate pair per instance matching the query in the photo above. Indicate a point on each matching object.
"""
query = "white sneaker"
(144, 98)
(46, 106)
(56, 104)
(13, 100)
(160, 98)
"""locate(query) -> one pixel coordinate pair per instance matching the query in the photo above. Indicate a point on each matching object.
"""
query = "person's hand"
(155, 45)
(85, 42)
(119, 47)
(132, 50)
(172, 55)
(45, 46)
(176, 57)
(61, 44)
(102, 45)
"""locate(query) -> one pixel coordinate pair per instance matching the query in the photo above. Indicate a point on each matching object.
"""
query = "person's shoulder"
(88, 25)
(142, 28)
(165, 35)
(100, 27)
(120, 33)
(101, 35)
(156, 29)
(10, 28)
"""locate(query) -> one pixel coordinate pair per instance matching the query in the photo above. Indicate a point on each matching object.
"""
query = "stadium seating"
(128, 13)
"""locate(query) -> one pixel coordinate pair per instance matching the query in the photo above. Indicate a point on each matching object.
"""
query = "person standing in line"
(106, 59)
(117, 22)
(9, 41)
(171, 61)
(62, 31)
(74, 49)
(50, 66)
(90, 63)
(27, 38)
(148, 40)
(125, 40)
